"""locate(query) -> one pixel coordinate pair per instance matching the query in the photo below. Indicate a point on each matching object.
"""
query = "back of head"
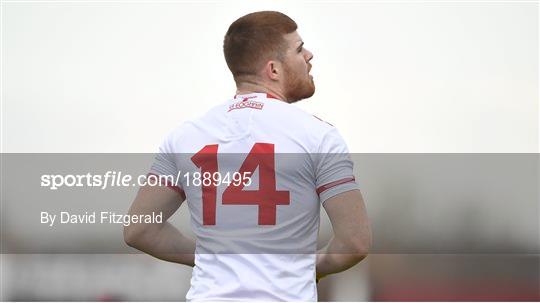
(254, 39)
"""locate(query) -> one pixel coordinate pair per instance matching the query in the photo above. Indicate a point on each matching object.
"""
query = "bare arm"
(161, 240)
(352, 234)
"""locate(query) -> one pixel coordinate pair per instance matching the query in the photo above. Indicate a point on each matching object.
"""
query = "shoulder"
(310, 130)
(323, 121)
(194, 132)
(317, 126)
(297, 115)
(177, 135)
(325, 137)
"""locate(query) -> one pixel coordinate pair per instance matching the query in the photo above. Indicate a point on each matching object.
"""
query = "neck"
(247, 87)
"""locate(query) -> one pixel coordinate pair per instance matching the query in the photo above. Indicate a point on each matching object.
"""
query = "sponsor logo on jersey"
(247, 103)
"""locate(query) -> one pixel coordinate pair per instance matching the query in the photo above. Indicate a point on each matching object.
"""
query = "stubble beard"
(298, 87)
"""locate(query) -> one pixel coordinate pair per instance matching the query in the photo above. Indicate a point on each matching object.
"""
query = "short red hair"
(254, 39)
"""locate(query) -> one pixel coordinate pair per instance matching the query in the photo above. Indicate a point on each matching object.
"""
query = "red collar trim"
(267, 95)
(272, 96)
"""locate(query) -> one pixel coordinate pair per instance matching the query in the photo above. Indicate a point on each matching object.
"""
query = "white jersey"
(256, 237)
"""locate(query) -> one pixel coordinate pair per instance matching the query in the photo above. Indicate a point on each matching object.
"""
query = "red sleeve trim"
(170, 185)
(322, 188)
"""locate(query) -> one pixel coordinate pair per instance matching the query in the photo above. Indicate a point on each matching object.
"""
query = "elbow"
(357, 251)
(361, 246)
(361, 250)
(132, 236)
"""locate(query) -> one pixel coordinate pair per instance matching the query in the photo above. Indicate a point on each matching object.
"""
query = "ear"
(272, 70)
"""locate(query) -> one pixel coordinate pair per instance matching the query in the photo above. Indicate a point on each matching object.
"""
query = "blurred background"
(456, 83)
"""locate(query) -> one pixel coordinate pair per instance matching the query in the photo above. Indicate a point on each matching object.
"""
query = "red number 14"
(266, 197)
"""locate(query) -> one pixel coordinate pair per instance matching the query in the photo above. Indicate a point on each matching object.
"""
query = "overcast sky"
(393, 77)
